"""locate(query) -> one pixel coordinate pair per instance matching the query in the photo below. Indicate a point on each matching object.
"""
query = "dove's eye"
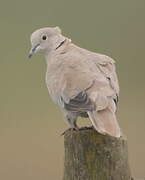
(44, 37)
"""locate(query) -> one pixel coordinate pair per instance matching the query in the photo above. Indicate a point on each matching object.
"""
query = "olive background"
(30, 124)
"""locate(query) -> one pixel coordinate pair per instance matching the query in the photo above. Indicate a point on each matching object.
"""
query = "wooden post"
(92, 156)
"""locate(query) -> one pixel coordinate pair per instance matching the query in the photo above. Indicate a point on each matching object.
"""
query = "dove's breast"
(53, 81)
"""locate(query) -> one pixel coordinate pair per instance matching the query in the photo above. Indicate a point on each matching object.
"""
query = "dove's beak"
(33, 50)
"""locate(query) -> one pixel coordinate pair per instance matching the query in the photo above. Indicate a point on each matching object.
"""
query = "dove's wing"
(76, 78)
(96, 74)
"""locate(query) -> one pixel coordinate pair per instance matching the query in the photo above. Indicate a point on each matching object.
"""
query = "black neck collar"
(60, 44)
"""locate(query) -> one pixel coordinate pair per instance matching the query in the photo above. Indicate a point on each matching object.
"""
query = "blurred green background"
(30, 124)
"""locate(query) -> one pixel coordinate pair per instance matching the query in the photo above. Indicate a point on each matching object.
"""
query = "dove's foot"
(77, 129)
(86, 127)
(70, 129)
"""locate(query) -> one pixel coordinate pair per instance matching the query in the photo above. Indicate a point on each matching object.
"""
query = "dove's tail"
(105, 122)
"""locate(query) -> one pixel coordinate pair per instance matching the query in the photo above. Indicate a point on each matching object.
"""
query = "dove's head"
(46, 40)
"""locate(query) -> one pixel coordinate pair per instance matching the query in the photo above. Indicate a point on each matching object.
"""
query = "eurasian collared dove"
(81, 82)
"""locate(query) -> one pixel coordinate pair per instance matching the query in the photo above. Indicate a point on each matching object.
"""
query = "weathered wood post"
(92, 156)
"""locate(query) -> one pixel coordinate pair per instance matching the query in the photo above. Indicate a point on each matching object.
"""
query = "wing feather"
(80, 103)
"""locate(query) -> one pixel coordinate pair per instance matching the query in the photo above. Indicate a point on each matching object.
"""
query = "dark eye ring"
(44, 37)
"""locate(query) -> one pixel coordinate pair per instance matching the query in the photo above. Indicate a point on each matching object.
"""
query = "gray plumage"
(81, 82)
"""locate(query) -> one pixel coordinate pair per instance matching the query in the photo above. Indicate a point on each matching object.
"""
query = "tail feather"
(105, 122)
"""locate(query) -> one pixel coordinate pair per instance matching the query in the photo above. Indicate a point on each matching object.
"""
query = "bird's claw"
(86, 127)
(70, 129)
(77, 129)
